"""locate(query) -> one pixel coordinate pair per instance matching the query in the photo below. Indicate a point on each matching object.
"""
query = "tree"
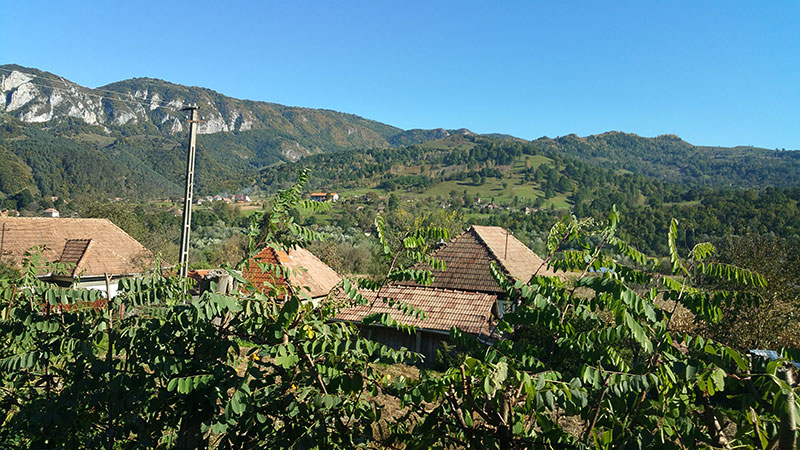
(771, 324)
(593, 362)
(477, 179)
(606, 367)
(394, 201)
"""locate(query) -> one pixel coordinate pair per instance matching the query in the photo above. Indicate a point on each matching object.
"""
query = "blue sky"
(714, 73)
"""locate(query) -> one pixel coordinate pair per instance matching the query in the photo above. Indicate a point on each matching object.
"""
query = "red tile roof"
(468, 256)
(444, 308)
(94, 246)
(514, 257)
(306, 272)
(258, 276)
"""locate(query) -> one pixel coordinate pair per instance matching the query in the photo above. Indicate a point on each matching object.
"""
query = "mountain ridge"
(55, 134)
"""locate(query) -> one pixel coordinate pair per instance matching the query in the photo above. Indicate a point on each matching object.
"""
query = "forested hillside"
(670, 158)
(127, 139)
(526, 185)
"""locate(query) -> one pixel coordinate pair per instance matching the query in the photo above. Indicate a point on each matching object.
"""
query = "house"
(50, 212)
(324, 196)
(465, 295)
(297, 270)
(86, 249)
(468, 258)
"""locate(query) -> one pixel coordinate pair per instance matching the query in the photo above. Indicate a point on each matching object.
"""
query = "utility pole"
(183, 259)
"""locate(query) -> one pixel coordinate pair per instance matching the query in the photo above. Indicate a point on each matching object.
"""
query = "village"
(96, 254)
(400, 225)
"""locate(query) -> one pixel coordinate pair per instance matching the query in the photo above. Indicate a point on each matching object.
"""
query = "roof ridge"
(450, 241)
(55, 218)
(123, 231)
(488, 247)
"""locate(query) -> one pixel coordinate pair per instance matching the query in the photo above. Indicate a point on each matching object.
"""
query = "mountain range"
(135, 131)
(128, 139)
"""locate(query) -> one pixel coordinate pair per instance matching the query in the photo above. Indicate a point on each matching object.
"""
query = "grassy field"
(500, 191)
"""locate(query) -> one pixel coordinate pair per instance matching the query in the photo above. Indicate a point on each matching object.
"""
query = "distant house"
(307, 275)
(239, 198)
(50, 212)
(87, 249)
(465, 295)
(324, 196)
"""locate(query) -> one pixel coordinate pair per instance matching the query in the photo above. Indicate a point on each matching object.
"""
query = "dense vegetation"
(596, 362)
(524, 186)
(136, 152)
(669, 158)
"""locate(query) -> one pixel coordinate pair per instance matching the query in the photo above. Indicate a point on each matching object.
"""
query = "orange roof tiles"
(306, 272)
(467, 258)
(514, 257)
(444, 308)
(95, 246)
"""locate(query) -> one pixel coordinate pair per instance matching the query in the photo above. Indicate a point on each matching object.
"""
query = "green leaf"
(677, 265)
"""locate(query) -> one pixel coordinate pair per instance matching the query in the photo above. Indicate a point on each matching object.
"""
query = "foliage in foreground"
(591, 363)
(597, 363)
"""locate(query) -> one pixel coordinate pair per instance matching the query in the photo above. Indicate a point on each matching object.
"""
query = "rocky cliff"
(154, 107)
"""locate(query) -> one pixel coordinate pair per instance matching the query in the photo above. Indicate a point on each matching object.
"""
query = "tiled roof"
(444, 308)
(95, 246)
(254, 274)
(468, 256)
(306, 271)
(515, 257)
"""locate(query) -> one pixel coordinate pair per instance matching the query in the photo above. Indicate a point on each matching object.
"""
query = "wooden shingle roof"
(92, 247)
(469, 255)
(306, 272)
(444, 308)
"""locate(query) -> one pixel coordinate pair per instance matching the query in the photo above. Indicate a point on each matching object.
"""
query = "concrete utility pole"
(183, 259)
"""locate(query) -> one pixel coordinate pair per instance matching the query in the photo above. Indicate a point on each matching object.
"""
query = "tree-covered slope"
(128, 139)
(670, 158)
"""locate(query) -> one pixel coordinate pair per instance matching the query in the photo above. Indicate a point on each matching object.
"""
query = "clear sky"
(714, 73)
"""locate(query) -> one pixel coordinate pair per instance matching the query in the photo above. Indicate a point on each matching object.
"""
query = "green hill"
(127, 139)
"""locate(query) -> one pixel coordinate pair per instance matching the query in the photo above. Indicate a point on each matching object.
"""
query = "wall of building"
(423, 342)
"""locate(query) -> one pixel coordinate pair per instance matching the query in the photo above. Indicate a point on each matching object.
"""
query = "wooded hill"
(127, 139)
(526, 185)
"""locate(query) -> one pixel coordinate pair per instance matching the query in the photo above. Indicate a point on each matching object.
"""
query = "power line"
(124, 100)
